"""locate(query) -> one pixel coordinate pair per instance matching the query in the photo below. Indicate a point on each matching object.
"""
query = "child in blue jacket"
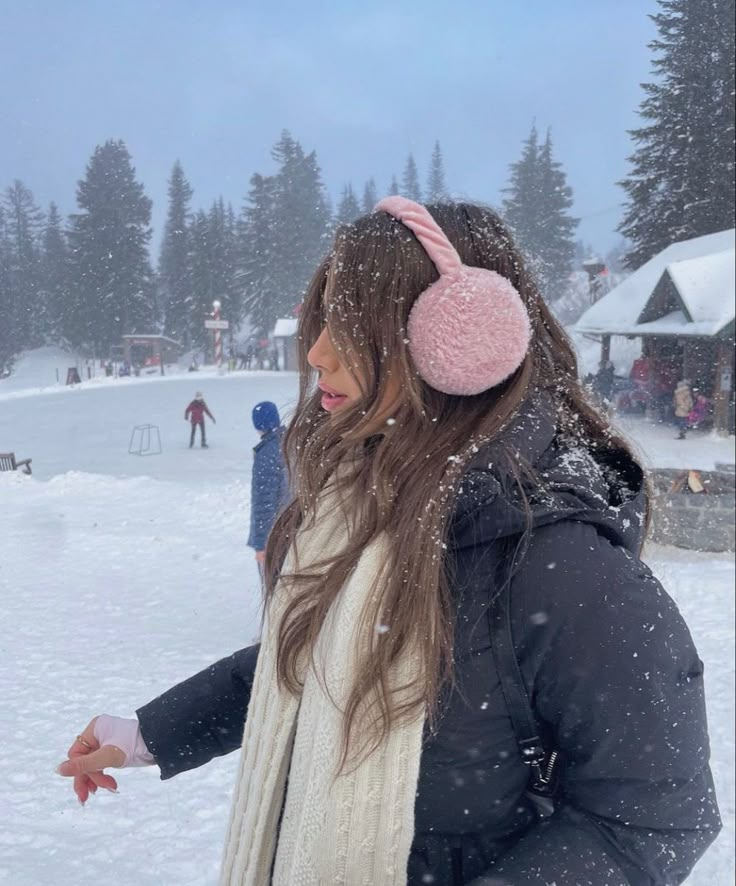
(269, 483)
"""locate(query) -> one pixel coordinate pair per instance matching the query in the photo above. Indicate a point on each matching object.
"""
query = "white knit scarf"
(354, 828)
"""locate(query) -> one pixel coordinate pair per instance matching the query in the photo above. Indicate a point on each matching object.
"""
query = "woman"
(447, 456)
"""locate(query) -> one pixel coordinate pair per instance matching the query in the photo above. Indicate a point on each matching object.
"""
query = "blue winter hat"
(266, 416)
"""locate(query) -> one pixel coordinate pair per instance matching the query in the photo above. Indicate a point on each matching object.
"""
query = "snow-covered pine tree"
(348, 209)
(522, 200)
(202, 278)
(301, 224)
(681, 182)
(436, 185)
(410, 180)
(536, 209)
(393, 187)
(222, 263)
(234, 297)
(54, 273)
(24, 223)
(112, 291)
(256, 255)
(370, 196)
(175, 260)
(554, 248)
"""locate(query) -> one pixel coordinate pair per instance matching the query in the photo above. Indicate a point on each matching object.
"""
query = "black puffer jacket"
(607, 660)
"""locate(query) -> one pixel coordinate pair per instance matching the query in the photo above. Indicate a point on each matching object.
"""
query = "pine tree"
(436, 186)
(536, 209)
(203, 293)
(681, 182)
(410, 181)
(221, 236)
(54, 273)
(112, 277)
(522, 200)
(234, 297)
(393, 188)
(175, 261)
(301, 223)
(555, 245)
(26, 313)
(370, 196)
(282, 234)
(257, 252)
(348, 208)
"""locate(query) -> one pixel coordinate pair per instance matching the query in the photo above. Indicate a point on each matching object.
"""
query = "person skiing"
(445, 458)
(269, 482)
(195, 413)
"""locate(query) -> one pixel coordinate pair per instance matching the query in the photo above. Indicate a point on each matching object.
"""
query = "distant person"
(604, 382)
(249, 353)
(683, 403)
(700, 411)
(269, 483)
(195, 413)
(193, 367)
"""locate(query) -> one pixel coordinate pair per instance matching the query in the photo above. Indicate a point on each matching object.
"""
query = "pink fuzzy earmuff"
(468, 331)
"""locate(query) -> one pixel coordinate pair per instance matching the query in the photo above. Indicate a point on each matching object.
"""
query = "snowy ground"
(122, 574)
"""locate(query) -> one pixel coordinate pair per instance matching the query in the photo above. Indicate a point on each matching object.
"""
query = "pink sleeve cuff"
(124, 734)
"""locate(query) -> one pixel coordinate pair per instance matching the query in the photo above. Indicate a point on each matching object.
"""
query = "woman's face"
(340, 387)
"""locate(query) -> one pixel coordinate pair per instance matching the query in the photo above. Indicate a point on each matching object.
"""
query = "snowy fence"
(698, 521)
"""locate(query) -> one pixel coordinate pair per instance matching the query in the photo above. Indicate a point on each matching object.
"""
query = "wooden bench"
(8, 463)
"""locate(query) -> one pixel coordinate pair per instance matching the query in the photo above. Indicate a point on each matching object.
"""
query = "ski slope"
(121, 574)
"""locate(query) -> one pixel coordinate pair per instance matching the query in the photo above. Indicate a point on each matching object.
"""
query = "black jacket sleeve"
(614, 675)
(201, 718)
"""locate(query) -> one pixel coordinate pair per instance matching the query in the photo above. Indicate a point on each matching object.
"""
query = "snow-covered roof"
(703, 274)
(285, 327)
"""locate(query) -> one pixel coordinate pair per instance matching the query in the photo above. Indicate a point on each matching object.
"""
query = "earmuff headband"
(469, 331)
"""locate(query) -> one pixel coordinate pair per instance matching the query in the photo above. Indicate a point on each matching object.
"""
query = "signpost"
(217, 325)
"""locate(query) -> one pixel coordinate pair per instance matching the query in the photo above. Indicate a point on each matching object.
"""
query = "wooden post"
(723, 386)
(605, 349)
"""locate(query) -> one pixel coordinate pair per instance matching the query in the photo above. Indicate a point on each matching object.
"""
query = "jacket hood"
(571, 480)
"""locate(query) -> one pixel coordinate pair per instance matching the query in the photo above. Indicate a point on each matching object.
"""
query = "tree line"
(88, 279)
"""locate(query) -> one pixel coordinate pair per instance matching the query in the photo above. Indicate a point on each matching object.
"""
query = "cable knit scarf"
(349, 829)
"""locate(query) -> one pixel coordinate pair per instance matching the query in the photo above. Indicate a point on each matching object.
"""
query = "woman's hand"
(106, 742)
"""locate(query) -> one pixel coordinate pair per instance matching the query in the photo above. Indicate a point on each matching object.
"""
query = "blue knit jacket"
(269, 487)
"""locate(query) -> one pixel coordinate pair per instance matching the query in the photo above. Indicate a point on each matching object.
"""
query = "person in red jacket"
(195, 413)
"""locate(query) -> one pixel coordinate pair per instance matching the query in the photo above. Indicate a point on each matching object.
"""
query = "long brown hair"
(408, 475)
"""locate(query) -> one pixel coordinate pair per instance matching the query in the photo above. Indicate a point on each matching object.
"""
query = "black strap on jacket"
(544, 770)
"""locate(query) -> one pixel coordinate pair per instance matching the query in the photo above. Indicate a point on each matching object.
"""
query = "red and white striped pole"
(218, 336)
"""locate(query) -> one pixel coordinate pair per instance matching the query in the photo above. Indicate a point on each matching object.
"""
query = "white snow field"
(122, 574)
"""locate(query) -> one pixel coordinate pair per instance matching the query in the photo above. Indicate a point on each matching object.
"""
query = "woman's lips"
(331, 399)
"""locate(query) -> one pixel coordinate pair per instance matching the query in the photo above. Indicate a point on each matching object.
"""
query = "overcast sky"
(362, 83)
